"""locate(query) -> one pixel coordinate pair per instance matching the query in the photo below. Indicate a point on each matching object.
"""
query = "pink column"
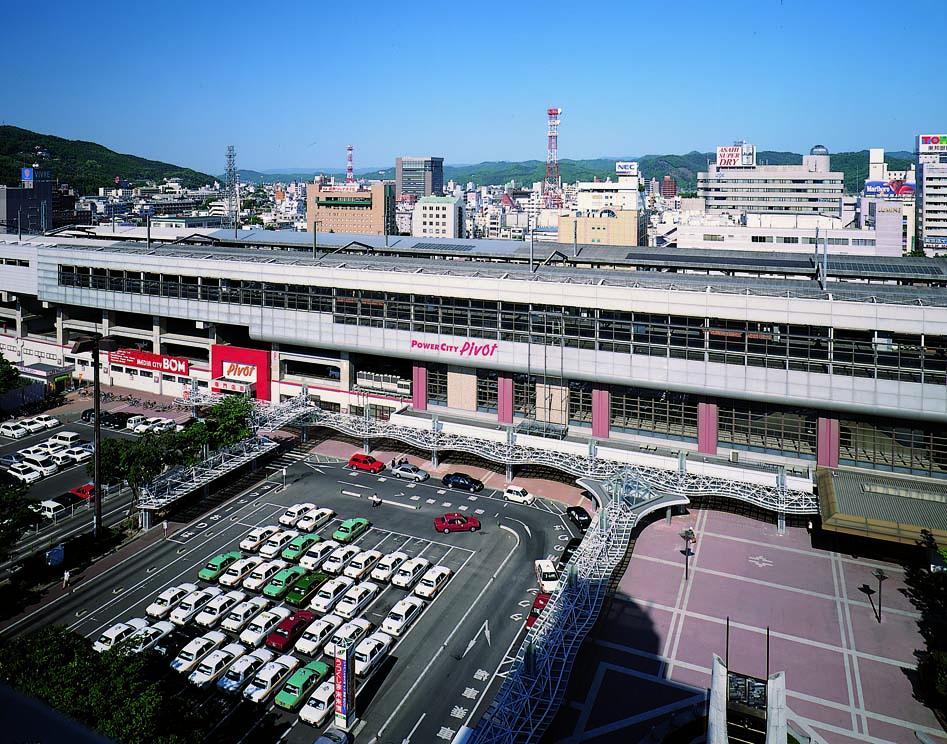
(601, 410)
(707, 428)
(505, 398)
(419, 387)
(827, 431)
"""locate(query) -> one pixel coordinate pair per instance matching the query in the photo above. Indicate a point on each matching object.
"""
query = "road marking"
(463, 507)
(760, 561)
(517, 616)
(525, 526)
(445, 733)
(471, 693)
(481, 675)
(478, 511)
(407, 739)
(447, 504)
(524, 603)
(485, 629)
(458, 712)
(430, 501)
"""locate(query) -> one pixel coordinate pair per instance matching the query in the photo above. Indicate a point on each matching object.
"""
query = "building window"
(763, 427)
(487, 391)
(524, 395)
(655, 413)
(713, 238)
(889, 444)
(580, 403)
(437, 384)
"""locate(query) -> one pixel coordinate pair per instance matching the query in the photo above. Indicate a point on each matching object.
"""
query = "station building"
(722, 354)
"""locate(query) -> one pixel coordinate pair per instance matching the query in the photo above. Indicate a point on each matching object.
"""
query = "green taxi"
(218, 564)
(350, 529)
(299, 545)
(283, 581)
(305, 588)
(300, 684)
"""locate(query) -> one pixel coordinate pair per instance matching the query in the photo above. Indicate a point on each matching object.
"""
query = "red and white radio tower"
(349, 171)
(552, 190)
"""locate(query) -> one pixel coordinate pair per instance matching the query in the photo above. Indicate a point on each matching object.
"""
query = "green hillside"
(85, 166)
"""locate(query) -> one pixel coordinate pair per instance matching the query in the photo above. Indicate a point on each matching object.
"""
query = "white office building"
(438, 217)
(932, 192)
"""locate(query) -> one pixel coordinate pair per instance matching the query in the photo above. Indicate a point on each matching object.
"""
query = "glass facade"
(580, 403)
(655, 413)
(437, 384)
(487, 390)
(898, 446)
(764, 427)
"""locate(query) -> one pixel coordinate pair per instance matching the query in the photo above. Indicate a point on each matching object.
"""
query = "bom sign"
(146, 360)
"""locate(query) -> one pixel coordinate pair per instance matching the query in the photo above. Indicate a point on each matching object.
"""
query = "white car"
(270, 676)
(14, 431)
(369, 653)
(317, 634)
(79, 454)
(339, 558)
(320, 705)
(169, 599)
(518, 495)
(356, 599)
(317, 554)
(196, 650)
(239, 570)
(242, 613)
(354, 631)
(258, 536)
(34, 451)
(32, 425)
(362, 564)
(51, 447)
(407, 471)
(263, 624)
(409, 572)
(243, 669)
(388, 565)
(330, 593)
(48, 422)
(215, 663)
(218, 608)
(62, 460)
(432, 581)
(314, 519)
(118, 633)
(192, 604)
(24, 473)
(263, 573)
(274, 546)
(142, 640)
(149, 424)
(294, 513)
(401, 616)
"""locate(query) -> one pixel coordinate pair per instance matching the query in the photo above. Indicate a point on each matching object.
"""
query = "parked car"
(318, 553)
(47, 421)
(88, 415)
(356, 599)
(192, 604)
(169, 599)
(32, 425)
(148, 637)
(241, 614)
(388, 565)
(86, 491)
(300, 684)
(579, 517)
(192, 654)
(546, 575)
(518, 495)
(271, 675)
(320, 705)
(119, 632)
(330, 593)
(410, 472)
(260, 575)
(78, 454)
(13, 430)
(243, 670)
(361, 461)
(305, 588)
(317, 634)
(11, 458)
(285, 635)
(215, 664)
(462, 481)
(370, 652)
(294, 513)
(116, 419)
(340, 558)
(456, 522)
(314, 519)
(405, 612)
(362, 564)
(299, 545)
(279, 585)
(568, 552)
(274, 546)
(539, 604)
(262, 625)
(432, 582)
(409, 572)
(218, 608)
(257, 537)
(218, 564)
(351, 529)
(170, 645)
(333, 735)
(24, 472)
(352, 631)
(239, 570)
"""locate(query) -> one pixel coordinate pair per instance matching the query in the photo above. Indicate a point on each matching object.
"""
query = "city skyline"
(630, 81)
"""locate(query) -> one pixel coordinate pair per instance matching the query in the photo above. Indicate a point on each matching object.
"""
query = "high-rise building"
(669, 188)
(27, 208)
(351, 208)
(419, 177)
(932, 191)
(736, 183)
(438, 217)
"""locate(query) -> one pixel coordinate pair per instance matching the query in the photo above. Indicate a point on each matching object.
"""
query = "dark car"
(88, 415)
(579, 516)
(288, 632)
(116, 420)
(571, 547)
(463, 481)
(171, 645)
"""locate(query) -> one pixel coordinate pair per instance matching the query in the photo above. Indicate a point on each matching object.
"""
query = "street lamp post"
(881, 576)
(95, 343)
(688, 537)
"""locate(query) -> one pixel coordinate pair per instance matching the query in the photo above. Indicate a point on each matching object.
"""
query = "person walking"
(65, 579)
(375, 500)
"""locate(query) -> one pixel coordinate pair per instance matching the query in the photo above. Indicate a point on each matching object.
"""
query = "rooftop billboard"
(932, 143)
(889, 188)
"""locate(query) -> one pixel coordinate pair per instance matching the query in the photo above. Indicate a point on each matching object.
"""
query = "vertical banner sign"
(344, 687)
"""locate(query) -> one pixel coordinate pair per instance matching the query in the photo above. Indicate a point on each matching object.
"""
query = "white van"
(12, 430)
(134, 421)
(66, 438)
(50, 509)
(44, 465)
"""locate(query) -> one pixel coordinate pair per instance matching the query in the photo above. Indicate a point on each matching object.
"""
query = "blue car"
(11, 459)
(462, 481)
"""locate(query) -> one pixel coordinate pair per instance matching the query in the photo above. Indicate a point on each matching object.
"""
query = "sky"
(292, 84)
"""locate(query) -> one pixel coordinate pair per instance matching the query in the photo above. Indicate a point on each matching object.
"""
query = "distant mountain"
(85, 166)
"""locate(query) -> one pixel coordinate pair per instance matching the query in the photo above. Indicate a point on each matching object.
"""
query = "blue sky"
(291, 84)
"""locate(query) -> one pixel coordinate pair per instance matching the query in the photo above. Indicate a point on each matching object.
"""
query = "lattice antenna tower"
(349, 168)
(552, 189)
(232, 205)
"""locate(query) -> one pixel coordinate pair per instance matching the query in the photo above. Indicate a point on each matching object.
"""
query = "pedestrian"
(375, 500)
(164, 526)
(65, 579)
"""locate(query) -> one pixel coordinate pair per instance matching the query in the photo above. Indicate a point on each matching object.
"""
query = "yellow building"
(351, 208)
(606, 227)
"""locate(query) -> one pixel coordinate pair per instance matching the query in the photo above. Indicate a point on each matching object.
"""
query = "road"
(439, 674)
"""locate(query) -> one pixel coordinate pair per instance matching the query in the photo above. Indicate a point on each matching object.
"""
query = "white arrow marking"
(407, 739)
(485, 629)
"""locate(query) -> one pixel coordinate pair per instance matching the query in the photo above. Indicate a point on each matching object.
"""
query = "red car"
(84, 492)
(539, 604)
(361, 461)
(288, 632)
(456, 522)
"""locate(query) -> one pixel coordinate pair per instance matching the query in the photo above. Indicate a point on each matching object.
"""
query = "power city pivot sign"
(462, 349)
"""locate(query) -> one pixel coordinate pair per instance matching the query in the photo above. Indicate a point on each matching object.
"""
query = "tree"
(125, 697)
(232, 415)
(112, 461)
(9, 376)
(15, 517)
(143, 461)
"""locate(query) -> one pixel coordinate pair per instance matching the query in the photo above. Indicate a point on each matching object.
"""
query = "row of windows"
(906, 357)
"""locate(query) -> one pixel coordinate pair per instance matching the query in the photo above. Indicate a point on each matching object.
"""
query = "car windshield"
(396, 617)
(291, 689)
(282, 632)
(233, 675)
(205, 669)
(549, 575)
(105, 640)
(187, 655)
(254, 628)
(428, 583)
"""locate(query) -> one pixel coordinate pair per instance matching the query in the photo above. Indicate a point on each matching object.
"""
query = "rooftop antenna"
(232, 205)
(349, 170)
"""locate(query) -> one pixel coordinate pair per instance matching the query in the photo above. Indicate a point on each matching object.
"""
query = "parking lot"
(440, 673)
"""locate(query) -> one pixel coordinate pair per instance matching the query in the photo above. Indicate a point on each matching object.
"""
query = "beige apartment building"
(606, 227)
(351, 208)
